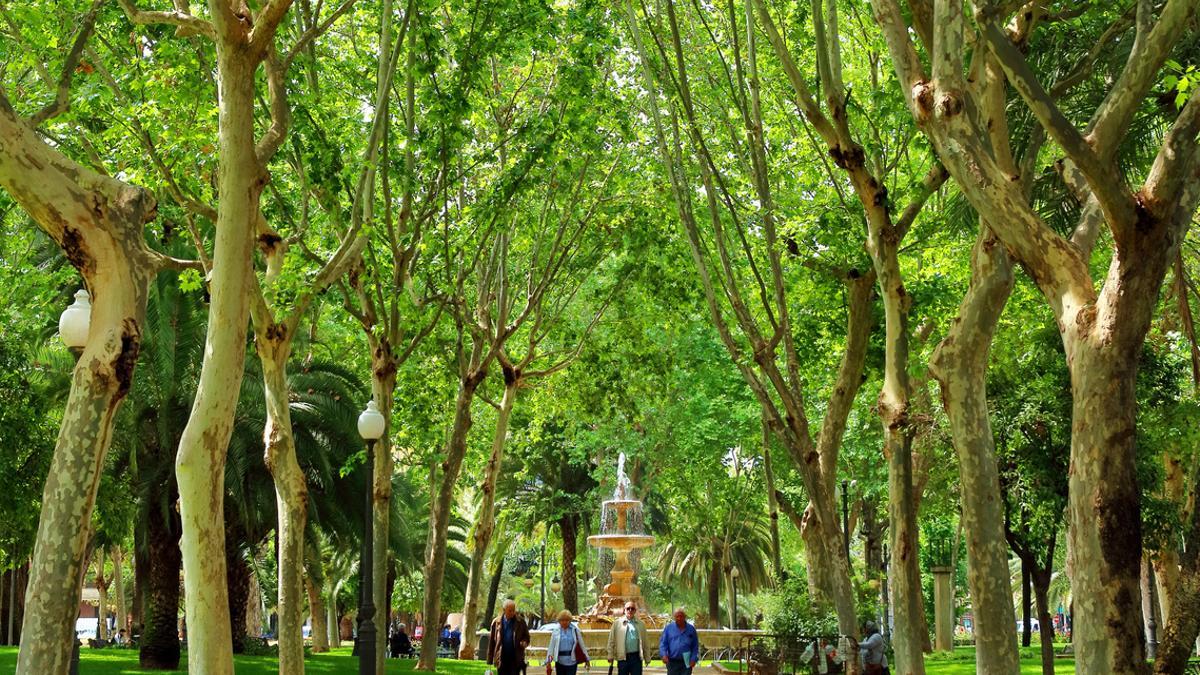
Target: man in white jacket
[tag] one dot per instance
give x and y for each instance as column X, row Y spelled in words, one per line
column 627, row 643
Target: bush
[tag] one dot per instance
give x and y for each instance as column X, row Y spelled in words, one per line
column 790, row 611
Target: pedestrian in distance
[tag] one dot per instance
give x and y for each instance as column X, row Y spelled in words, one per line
column 627, row 643
column 507, row 640
column 679, row 645
column 873, row 651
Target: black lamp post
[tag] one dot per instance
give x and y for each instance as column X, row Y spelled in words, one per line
column 73, row 326
column 371, row 427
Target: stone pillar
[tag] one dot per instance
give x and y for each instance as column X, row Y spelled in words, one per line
column 943, row 612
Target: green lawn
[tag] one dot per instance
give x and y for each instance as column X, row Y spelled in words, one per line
column 122, row 662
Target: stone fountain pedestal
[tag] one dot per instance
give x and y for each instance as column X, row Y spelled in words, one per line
column 622, row 588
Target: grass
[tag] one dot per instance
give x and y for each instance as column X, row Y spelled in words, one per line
column 340, row 662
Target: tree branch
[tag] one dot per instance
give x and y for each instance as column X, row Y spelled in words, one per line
column 62, row 99
column 266, row 23
column 185, row 24
column 1102, row 175
column 281, row 112
column 1150, row 51
column 932, row 182
column 315, row 31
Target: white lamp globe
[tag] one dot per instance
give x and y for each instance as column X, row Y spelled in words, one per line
column 371, row 423
column 76, row 321
column 735, row 572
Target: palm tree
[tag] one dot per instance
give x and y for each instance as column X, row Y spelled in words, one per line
column 555, row 486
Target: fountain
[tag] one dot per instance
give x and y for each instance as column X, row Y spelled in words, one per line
column 620, row 531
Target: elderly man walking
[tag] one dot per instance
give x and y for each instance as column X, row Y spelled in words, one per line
column 679, row 645
column 507, row 641
column 627, row 644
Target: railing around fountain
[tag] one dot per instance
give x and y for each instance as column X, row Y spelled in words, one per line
column 770, row 654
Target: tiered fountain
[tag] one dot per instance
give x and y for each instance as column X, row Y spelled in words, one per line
column 620, row 531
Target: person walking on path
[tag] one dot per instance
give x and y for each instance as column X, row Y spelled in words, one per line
column 507, row 641
column 679, row 645
column 566, row 649
column 873, row 651
column 627, row 644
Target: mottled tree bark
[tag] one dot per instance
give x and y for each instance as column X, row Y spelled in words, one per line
column 485, row 522
column 1102, row 330
column 960, row 366
column 316, row 611
column 98, row 222
column 291, row 494
column 439, row 521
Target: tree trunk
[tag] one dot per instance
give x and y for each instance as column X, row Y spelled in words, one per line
column 141, row 568
column 238, row 579
column 493, row 593
column 713, row 588
column 960, row 366
column 159, row 646
column 316, row 610
column 568, row 527
column 485, row 522
column 439, row 521
column 98, row 222
column 200, row 464
column 1026, row 607
column 383, row 386
column 1183, row 624
column 118, row 559
column 1041, row 591
column 909, row 635
column 291, row 495
column 102, row 591
column 254, row 604
column 772, row 503
column 331, row 619
column 1104, row 509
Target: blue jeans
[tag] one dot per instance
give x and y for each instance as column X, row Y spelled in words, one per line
column 631, row 665
column 560, row 669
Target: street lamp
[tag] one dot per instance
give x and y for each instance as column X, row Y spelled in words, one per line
column 75, row 322
column 73, row 326
column 733, row 577
column 370, row 426
column 555, row 585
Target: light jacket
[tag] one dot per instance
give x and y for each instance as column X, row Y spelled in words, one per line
column 556, row 635
column 616, row 639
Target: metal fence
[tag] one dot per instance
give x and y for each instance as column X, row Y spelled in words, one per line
column 785, row 654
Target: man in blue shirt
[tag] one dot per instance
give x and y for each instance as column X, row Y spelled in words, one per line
column 679, row 645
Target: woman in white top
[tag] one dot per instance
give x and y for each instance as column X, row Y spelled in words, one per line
column 566, row 649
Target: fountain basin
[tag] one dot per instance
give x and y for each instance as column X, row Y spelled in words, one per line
column 621, row 504
column 626, row 542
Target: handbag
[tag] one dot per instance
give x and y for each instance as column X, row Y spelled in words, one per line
column 580, row 656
